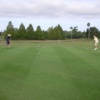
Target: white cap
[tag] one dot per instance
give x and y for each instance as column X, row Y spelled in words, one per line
column 9, row 35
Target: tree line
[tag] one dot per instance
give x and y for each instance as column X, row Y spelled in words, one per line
column 52, row 33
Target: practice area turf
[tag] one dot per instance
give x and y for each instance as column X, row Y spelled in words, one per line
column 51, row 70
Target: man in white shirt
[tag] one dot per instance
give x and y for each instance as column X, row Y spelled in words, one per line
column 96, row 41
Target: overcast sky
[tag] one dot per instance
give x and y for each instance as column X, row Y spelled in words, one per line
column 47, row 13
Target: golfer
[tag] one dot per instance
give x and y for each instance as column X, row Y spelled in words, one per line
column 96, row 41
column 8, row 38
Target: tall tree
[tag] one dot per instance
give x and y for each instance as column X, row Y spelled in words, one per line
column 61, row 32
column 88, row 30
column 94, row 31
column 57, row 32
column 30, row 32
column 15, row 34
column 50, row 32
column 10, row 29
column 39, row 34
column 71, row 32
column 45, row 35
column 22, row 32
column 75, row 32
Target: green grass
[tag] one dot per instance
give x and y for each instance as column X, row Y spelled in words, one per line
column 69, row 70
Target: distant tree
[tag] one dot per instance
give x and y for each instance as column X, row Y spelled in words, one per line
column 30, row 32
column 0, row 33
column 39, row 34
column 56, row 33
column 98, row 33
column 45, row 35
column 9, row 29
column 50, row 33
column 71, row 32
column 67, row 34
column 22, row 32
column 94, row 31
column 88, row 30
column 88, row 24
column 15, row 34
column 83, row 34
column 61, row 34
column 76, row 33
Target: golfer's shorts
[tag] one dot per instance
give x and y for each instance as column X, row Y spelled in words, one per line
column 7, row 42
column 96, row 43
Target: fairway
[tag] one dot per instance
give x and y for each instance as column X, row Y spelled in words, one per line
column 50, row 70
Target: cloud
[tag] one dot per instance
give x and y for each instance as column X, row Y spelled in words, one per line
column 50, row 13
column 49, row 9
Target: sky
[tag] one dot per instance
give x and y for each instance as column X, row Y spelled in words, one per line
column 50, row 13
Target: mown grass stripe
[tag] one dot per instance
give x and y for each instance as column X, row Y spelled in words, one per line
column 84, row 75
column 49, row 71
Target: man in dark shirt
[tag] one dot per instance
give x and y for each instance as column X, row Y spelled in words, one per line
column 8, row 38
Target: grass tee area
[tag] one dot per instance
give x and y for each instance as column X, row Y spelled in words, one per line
column 50, row 70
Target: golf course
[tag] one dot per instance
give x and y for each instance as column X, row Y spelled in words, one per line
column 50, row 70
